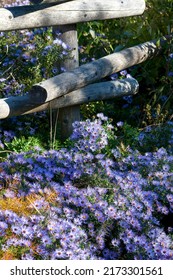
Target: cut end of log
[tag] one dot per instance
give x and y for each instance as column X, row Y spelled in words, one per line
column 5, row 110
column 133, row 84
column 38, row 94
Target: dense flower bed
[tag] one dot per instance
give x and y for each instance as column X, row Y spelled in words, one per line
column 88, row 201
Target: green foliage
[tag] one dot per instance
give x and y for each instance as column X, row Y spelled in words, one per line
column 128, row 135
column 24, row 144
column 155, row 137
column 154, row 76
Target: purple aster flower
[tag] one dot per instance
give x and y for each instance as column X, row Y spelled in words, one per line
column 27, row 256
column 120, row 124
column 100, row 241
column 58, row 254
column 12, row 242
column 84, row 217
column 123, row 72
column 46, row 240
column 16, row 229
column 27, row 231
column 3, row 225
column 42, row 251
column 24, row 242
column 55, row 70
column 102, row 117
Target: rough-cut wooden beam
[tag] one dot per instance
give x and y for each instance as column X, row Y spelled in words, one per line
column 14, row 106
column 67, row 116
column 92, row 72
column 23, row 17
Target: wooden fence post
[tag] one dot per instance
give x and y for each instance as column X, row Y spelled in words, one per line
column 68, row 115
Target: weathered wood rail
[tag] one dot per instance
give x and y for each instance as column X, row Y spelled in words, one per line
column 67, row 13
column 14, row 106
column 79, row 84
column 92, row 72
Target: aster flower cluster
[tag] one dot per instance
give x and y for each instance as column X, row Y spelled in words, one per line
column 5, row 137
column 85, row 203
column 34, row 51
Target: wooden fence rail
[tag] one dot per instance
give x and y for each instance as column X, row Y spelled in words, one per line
column 77, row 86
column 23, row 17
column 14, row 106
column 92, row 72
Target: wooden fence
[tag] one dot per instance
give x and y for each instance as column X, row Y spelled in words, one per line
column 80, row 84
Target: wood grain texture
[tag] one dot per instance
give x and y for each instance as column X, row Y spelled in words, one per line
column 14, row 106
column 68, row 115
column 92, row 72
column 23, row 17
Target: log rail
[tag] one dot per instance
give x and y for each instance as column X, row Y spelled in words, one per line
column 82, row 85
column 69, row 12
column 14, row 106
